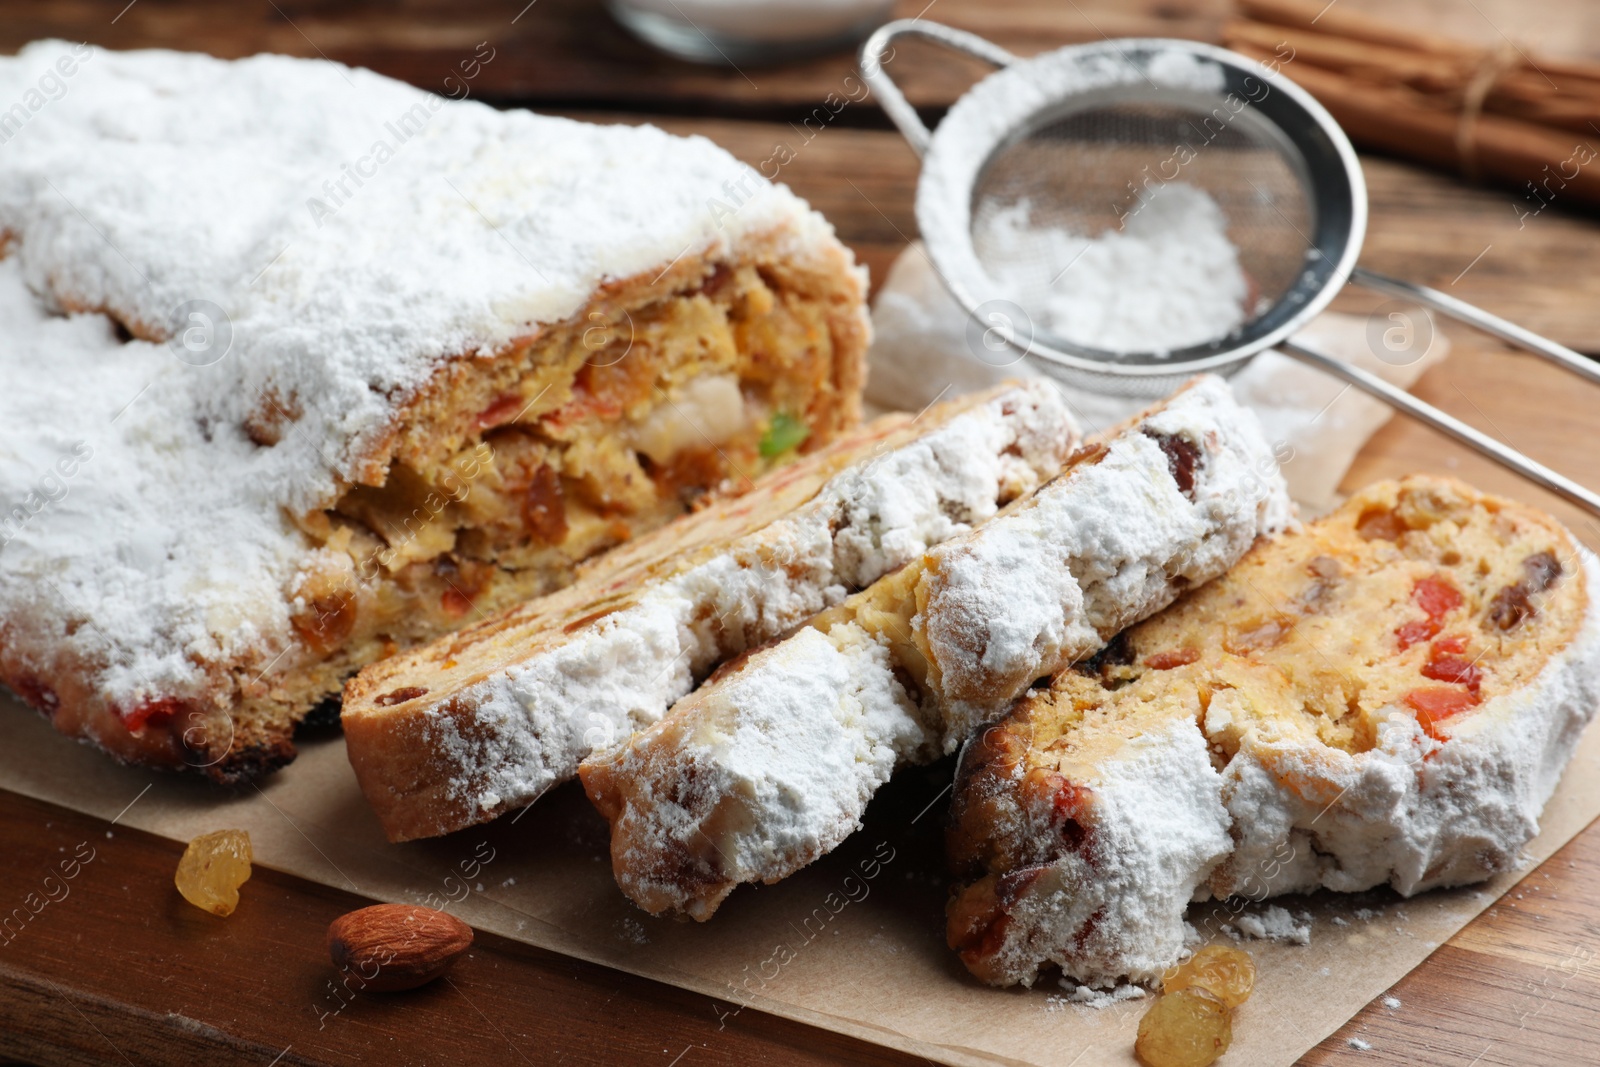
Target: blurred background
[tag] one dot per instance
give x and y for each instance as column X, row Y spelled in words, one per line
column 574, row 57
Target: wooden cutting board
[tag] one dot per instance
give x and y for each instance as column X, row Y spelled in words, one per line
column 123, row 971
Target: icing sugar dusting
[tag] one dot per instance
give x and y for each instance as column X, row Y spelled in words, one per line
column 159, row 178
column 1168, row 279
column 1274, row 923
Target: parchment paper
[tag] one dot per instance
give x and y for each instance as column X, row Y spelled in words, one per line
column 853, row 944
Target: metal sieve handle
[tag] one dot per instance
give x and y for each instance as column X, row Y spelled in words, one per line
column 1398, row 398
column 1462, row 311
column 890, row 98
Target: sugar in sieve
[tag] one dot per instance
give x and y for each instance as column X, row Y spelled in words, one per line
column 1104, row 137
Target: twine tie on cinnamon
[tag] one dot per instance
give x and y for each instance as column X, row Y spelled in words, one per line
column 1491, row 67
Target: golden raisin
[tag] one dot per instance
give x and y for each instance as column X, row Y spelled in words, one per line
column 1187, row 1028
column 213, row 868
column 1229, row 974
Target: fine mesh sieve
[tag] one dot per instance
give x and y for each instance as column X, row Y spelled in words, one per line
column 1132, row 212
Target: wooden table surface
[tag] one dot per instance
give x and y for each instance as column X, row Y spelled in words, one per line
column 130, row 974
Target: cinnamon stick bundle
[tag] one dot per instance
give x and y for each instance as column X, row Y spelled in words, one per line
column 1489, row 113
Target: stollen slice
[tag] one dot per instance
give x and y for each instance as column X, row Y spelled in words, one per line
column 770, row 764
column 1386, row 697
column 487, row 720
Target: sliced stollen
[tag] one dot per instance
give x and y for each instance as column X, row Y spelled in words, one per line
column 1387, row 696
column 488, row 719
column 304, row 365
column 771, row 763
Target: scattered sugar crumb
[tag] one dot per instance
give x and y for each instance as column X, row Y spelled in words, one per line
column 1326, row 972
column 630, row 929
column 1091, row 997
column 1340, row 921
column 1365, row 914
column 508, row 883
column 1360, row 1045
column 1276, row 924
column 1392, row 1003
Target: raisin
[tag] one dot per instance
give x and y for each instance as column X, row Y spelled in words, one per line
column 1325, row 573
column 1185, row 1028
column 213, row 868
column 1229, row 974
column 1514, row 603
column 400, row 696
column 1116, row 653
column 464, row 580
column 1540, row 571
column 1257, row 636
column 544, row 508
column 1182, row 459
column 1509, row 607
column 1325, row 567
column 328, row 621
column 1379, row 524
column 1165, row 661
column 717, row 281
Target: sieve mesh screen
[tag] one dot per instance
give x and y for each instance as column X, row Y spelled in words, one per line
column 1144, row 226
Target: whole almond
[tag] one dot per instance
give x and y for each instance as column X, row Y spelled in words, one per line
column 390, row 947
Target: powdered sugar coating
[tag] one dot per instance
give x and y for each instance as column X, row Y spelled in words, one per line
column 767, row 811
column 1158, row 822
column 534, row 721
column 158, row 178
column 985, row 119
column 1116, row 543
column 1413, row 812
column 820, row 728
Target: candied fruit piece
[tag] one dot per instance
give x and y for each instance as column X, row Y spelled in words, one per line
column 213, row 868
column 1166, row 661
column 1436, row 596
column 1437, row 704
column 1229, row 974
column 1187, row 1028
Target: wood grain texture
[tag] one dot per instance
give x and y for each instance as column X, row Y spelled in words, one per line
column 121, row 969
column 570, row 52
